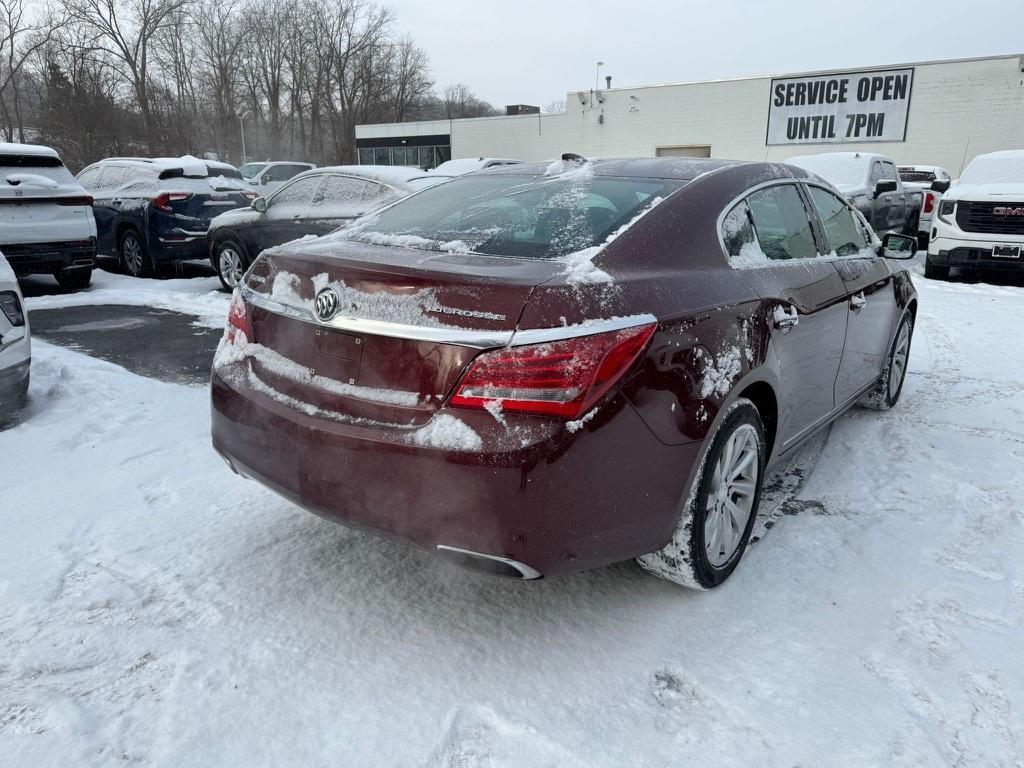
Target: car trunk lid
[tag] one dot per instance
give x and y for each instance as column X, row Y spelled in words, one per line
column 405, row 325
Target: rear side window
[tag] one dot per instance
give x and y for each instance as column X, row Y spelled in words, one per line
column 845, row 235
column 348, row 196
column 89, row 177
column 284, row 172
column 298, row 193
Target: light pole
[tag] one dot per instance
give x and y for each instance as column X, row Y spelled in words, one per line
column 597, row 76
column 241, row 129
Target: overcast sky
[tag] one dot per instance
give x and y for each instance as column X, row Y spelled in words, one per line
column 534, row 51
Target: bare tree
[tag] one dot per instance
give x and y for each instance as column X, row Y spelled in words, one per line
column 21, row 34
column 128, row 29
column 460, row 101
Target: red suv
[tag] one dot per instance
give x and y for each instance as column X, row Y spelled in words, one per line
column 541, row 368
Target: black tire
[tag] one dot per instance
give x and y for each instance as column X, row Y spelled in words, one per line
column 684, row 560
column 911, row 226
column 221, row 253
column 136, row 263
column 935, row 272
column 883, row 397
column 74, row 279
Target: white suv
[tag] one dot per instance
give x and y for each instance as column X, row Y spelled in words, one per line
column 46, row 221
column 980, row 220
column 15, row 349
column 270, row 176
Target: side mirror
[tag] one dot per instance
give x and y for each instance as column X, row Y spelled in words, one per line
column 886, row 185
column 897, row 246
column 940, row 186
column 259, row 205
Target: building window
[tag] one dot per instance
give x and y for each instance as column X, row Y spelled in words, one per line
column 366, row 156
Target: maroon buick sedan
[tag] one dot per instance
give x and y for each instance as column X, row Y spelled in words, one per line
column 543, row 368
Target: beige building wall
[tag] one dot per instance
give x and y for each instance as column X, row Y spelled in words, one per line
column 958, row 109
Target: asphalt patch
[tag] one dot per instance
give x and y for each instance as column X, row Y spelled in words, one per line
column 157, row 343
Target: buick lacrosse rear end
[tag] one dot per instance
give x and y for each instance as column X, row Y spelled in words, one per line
column 546, row 368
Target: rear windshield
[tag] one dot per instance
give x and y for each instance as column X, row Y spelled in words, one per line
column 30, row 161
column 211, row 173
column 22, row 168
column 515, row 215
column 916, row 176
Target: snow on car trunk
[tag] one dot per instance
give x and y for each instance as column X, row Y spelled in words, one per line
column 408, row 322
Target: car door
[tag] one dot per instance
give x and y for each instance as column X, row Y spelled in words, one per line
column 770, row 238
column 102, row 181
column 880, row 213
column 287, row 212
column 343, row 198
column 870, row 295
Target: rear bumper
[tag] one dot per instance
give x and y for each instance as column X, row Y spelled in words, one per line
column 178, row 245
column 47, row 258
column 13, row 387
column 543, row 497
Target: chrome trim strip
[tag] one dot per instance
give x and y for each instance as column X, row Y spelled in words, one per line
column 543, row 335
column 525, row 571
column 459, row 336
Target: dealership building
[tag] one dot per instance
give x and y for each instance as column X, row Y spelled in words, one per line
column 935, row 113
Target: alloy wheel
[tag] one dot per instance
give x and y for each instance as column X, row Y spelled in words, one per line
column 131, row 252
column 230, row 263
column 731, row 495
column 898, row 366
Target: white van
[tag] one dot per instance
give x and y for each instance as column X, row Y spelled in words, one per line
column 270, row 176
column 46, row 221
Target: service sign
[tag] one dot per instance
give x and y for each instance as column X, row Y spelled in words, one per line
column 840, row 108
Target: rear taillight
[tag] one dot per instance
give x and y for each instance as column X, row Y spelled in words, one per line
column 929, row 202
column 162, row 202
column 11, row 307
column 560, row 378
column 82, row 200
column 238, row 330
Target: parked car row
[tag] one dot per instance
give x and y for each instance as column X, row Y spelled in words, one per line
column 499, row 367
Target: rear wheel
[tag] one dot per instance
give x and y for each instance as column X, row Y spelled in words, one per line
column 74, row 279
column 935, row 272
column 890, row 385
column 911, row 226
column 719, row 511
column 133, row 256
column 230, row 261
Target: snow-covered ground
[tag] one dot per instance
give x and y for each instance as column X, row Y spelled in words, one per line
column 157, row 610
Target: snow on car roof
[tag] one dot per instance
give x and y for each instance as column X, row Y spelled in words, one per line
column 10, row 148
column 1000, row 173
column 388, row 174
column 469, row 164
column 844, row 170
column 191, row 166
column 683, row 168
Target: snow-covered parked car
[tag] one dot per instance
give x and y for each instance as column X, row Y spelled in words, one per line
column 15, row 344
column 464, row 165
column 313, row 203
column 155, row 211
column 46, row 219
column 268, row 177
column 537, row 369
column 931, row 181
column 871, row 183
column 980, row 220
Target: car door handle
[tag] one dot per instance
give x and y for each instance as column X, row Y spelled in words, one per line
column 858, row 302
column 785, row 318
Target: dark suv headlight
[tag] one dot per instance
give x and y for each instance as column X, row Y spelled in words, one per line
column 946, row 208
column 11, row 308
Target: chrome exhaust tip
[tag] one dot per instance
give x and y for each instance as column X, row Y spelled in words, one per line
column 492, row 564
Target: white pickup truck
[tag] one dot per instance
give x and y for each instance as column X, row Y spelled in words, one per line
column 871, row 183
column 980, row 220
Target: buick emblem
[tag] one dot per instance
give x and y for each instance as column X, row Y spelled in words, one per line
column 326, row 304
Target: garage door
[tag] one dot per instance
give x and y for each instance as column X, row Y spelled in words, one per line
column 690, row 150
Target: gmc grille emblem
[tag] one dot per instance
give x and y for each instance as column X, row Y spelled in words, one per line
column 326, row 304
column 1002, row 210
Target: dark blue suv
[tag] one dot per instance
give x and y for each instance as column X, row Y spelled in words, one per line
column 151, row 212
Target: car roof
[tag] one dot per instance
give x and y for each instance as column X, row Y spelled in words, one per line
column 12, row 148
column 386, row 174
column 166, row 163
column 682, row 168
